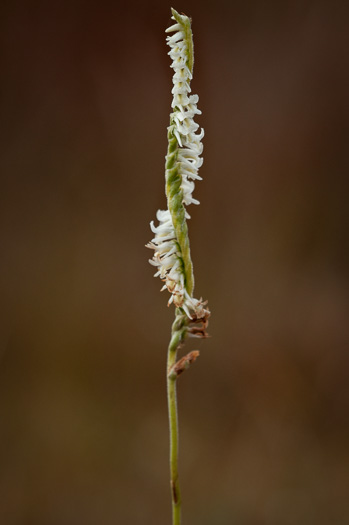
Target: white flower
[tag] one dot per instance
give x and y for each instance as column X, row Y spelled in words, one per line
column 182, row 117
column 167, row 251
column 167, row 257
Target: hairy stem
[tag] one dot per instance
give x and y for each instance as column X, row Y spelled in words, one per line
column 178, row 334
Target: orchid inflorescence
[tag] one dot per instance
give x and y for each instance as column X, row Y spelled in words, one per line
column 171, row 242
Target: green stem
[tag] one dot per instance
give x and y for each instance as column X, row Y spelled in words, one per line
column 177, row 336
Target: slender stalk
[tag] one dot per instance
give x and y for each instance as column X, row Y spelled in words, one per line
column 177, row 336
column 173, row 418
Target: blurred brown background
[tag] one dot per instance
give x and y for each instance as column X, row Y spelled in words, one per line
column 264, row 412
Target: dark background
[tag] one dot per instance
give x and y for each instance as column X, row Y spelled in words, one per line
column 84, row 330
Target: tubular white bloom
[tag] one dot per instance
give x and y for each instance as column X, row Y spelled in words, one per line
column 169, row 258
column 182, row 117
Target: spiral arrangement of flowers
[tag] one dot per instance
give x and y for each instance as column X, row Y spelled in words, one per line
column 171, row 242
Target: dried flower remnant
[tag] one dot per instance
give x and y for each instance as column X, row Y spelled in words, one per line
column 183, row 364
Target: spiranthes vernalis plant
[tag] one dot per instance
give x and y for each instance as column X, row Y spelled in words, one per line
column 171, row 242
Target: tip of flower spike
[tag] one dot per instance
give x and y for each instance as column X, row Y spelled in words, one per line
column 185, row 26
column 176, row 15
column 181, row 19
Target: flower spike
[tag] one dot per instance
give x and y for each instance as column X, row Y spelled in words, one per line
column 171, row 242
